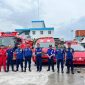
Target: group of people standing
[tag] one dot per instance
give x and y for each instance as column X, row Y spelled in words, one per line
column 7, row 58
column 61, row 54
column 12, row 56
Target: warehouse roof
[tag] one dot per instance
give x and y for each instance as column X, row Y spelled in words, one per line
column 28, row 29
column 38, row 21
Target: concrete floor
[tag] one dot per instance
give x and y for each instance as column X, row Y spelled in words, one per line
column 43, row 78
column 66, row 79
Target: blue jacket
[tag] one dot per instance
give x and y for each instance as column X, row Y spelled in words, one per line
column 27, row 52
column 50, row 52
column 10, row 53
column 38, row 50
column 19, row 53
column 60, row 53
column 69, row 53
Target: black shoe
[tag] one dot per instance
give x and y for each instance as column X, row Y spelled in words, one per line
column 24, row 70
column 53, row 70
column 72, row 72
column 58, row 71
column 21, row 70
column 12, row 70
column 40, row 70
column 48, row 70
column 67, row 72
column 30, row 70
column 37, row 70
column 62, row 71
column 7, row 71
column 17, row 70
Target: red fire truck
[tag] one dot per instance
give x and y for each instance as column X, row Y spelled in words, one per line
column 44, row 44
column 13, row 39
column 79, row 53
column 9, row 38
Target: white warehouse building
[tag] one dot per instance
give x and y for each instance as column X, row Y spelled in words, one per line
column 37, row 30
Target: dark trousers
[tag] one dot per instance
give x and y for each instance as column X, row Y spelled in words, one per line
column 60, row 62
column 39, row 64
column 19, row 62
column 69, row 64
column 10, row 62
column 28, row 60
column 51, row 63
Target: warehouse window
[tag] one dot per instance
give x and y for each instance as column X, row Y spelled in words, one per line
column 49, row 32
column 33, row 32
column 26, row 32
column 41, row 32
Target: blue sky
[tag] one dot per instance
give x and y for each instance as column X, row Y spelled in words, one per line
column 56, row 13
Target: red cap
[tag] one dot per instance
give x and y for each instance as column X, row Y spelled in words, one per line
column 69, row 43
column 38, row 43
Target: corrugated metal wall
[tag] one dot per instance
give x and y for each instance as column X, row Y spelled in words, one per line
column 80, row 33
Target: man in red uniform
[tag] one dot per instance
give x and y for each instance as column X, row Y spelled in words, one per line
column 3, row 58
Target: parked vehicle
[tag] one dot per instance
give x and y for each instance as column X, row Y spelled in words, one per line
column 44, row 44
column 79, row 55
column 13, row 39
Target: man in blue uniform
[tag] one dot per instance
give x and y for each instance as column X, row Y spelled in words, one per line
column 38, row 53
column 50, row 54
column 19, row 58
column 69, row 58
column 60, row 54
column 27, row 57
column 10, row 58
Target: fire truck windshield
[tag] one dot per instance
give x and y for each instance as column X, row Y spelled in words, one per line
column 78, row 48
column 5, row 41
column 46, row 45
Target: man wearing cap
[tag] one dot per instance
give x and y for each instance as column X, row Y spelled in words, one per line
column 69, row 58
column 27, row 57
column 60, row 54
column 38, row 53
column 10, row 58
column 50, row 54
column 19, row 58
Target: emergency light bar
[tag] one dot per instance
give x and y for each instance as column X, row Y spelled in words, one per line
column 8, row 34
